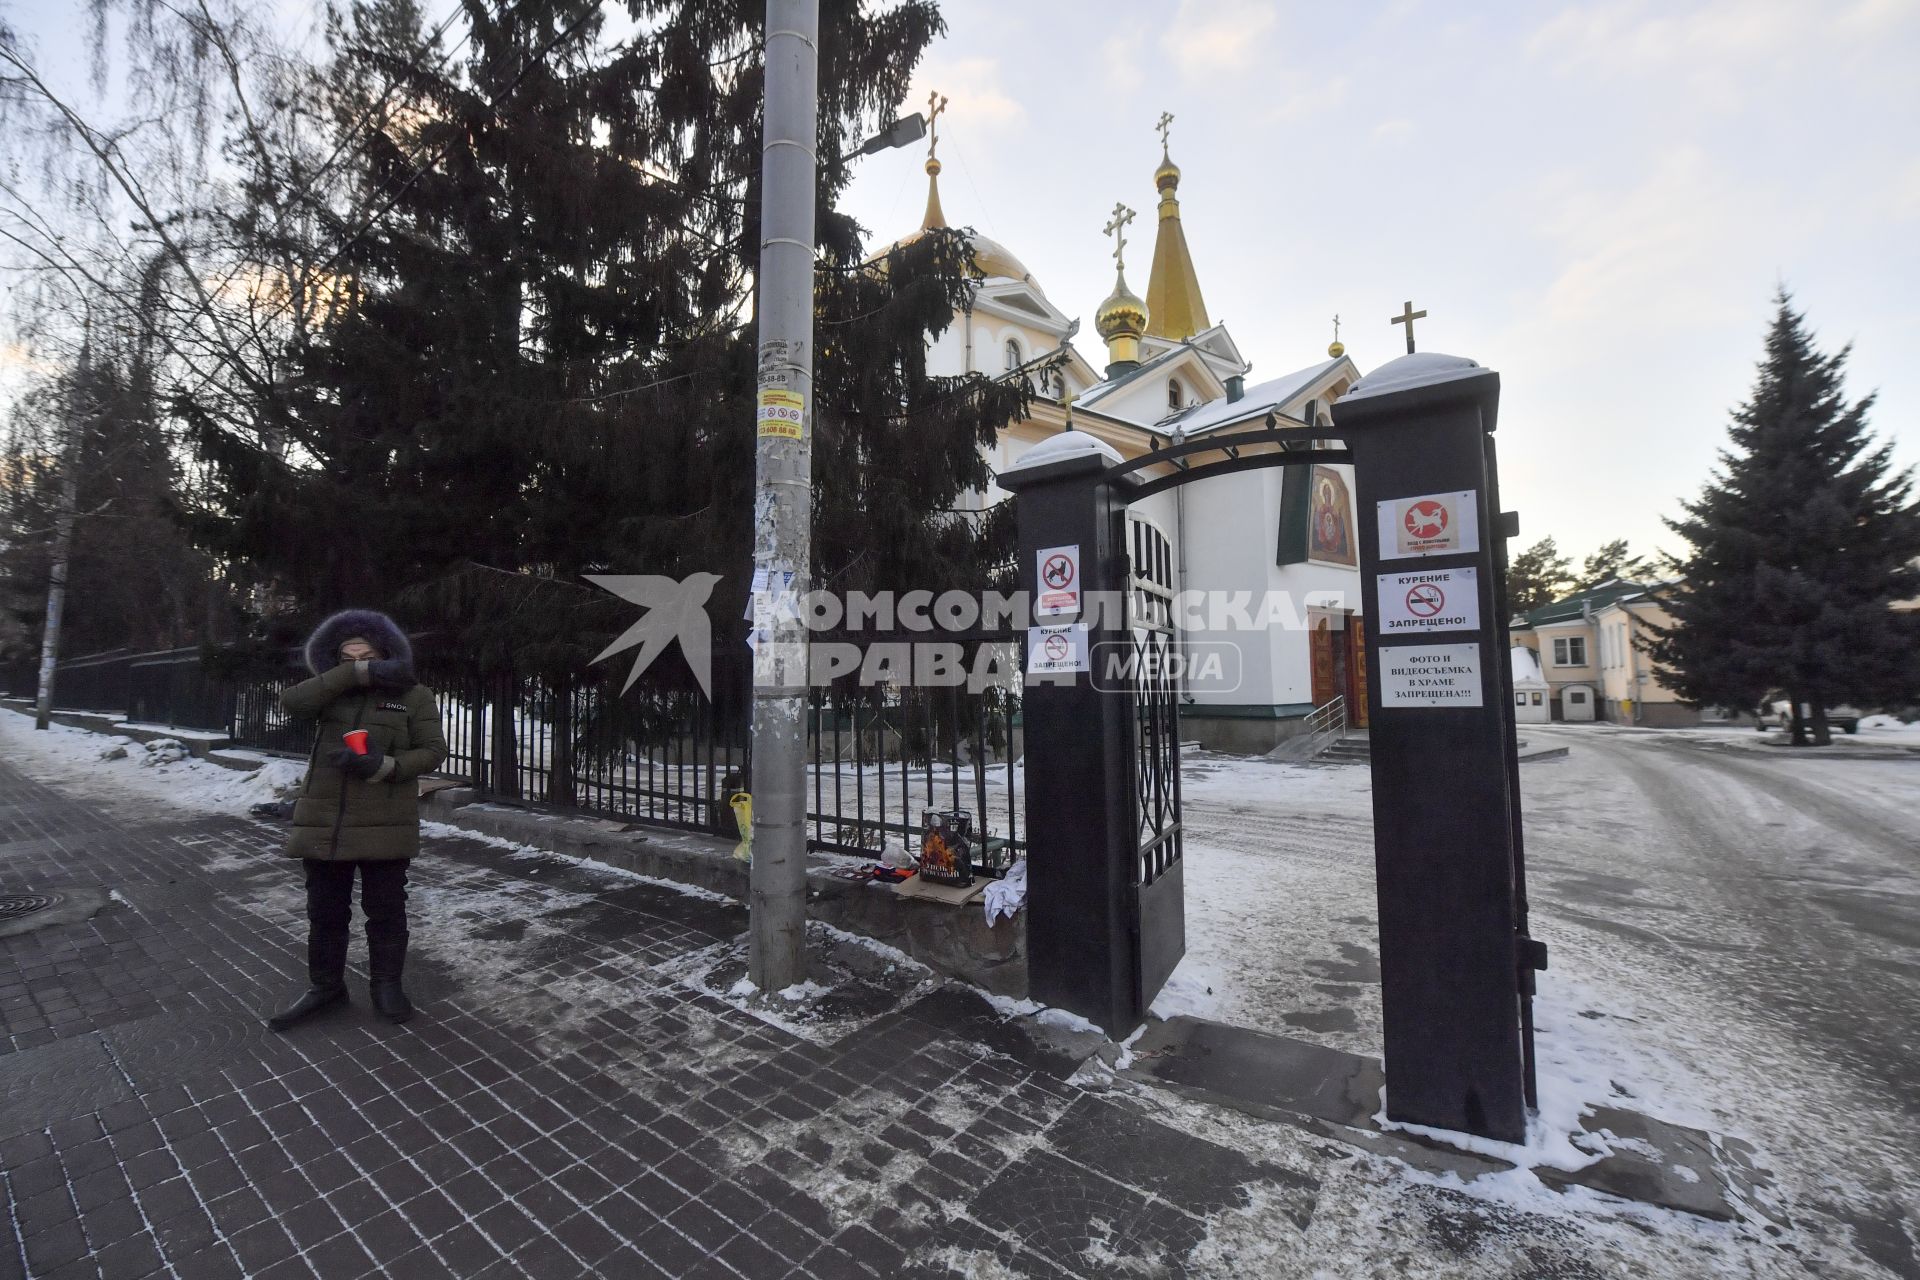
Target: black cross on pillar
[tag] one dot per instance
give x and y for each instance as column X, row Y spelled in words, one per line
column 1407, row 317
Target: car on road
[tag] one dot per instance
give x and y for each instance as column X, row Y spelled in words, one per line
column 1777, row 713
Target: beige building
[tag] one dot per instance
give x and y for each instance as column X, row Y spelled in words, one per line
column 1588, row 648
column 1629, row 692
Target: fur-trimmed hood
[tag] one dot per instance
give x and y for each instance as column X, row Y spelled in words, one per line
column 377, row 629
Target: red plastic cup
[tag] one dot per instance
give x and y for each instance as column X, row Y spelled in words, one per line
column 356, row 741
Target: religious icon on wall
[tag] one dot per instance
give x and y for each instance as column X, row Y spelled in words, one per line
column 1330, row 524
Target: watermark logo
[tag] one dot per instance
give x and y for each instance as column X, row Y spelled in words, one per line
column 1194, row 666
column 675, row 611
column 963, row 639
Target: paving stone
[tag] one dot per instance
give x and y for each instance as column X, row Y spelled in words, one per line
column 635, row 1128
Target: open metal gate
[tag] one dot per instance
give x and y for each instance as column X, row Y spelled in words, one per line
column 1154, row 676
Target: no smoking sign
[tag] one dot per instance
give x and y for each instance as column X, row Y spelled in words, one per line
column 1425, row 600
column 1429, row 600
column 1057, row 649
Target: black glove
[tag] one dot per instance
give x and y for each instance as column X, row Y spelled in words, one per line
column 362, row 767
column 391, row 673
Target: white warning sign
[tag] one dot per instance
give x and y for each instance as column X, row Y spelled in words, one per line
column 1430, row 675
column 1429, row 600
column 1057, row 649
column 1433, row 524
column 1059, row 576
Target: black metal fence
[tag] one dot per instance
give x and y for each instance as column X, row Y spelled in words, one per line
column 661, row 752
column 166, row 687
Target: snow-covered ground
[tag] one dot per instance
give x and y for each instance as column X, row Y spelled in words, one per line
column 1673, row 992
column 156, row 770
column 1708, row 913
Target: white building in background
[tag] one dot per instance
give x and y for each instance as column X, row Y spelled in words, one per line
column 1532, row 695
column 1171, row 373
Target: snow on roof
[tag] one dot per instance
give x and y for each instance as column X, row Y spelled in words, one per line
column 1108, row 385
column 1526, row 666
column 1255, row 401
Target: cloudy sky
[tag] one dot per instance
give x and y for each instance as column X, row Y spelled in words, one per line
column 1596, row 199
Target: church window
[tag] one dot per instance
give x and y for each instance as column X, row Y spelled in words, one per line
column 1519, row 699
column 1570, row 651
column 1173, row 393
column 1014, row 358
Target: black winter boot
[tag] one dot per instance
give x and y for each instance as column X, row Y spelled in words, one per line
column 385, row 960
column 326, row 971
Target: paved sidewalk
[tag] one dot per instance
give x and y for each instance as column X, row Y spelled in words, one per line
column 564, row 1104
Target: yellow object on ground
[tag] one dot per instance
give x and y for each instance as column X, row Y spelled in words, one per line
column 742, row 805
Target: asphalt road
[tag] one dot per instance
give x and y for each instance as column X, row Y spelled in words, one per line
column 1759, row 909
column 1798, row 884
column 1735, row 935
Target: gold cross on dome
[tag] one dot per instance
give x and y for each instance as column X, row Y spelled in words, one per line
column 1336, row 326
column 1165, row 123
column 1118, row 230
column 1406, row 317
column 936, row 104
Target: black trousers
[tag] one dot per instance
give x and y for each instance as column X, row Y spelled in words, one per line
column 383, row 899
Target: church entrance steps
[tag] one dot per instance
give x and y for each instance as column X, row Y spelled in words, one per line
column 1353, row 748
column 1338, row 1095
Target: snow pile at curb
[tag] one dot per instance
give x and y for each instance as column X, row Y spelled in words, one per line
column 158, row 770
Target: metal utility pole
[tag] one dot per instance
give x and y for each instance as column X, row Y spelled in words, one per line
column 82, row 412
column 783, row 496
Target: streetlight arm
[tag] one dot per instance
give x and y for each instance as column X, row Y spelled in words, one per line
column 903, row 132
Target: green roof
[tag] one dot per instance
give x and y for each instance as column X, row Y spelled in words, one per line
column 1575, row 606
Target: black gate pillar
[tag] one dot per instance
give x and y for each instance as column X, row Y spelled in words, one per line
column 1445, row 808
column 1083, row 950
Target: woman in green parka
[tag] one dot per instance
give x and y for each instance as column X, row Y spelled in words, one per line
column 360, row 813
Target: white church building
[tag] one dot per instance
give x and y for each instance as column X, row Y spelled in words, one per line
column 1284, row 535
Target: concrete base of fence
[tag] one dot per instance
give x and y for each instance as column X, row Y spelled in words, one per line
column 954, row 941
column 198, row 742
column 97, row 721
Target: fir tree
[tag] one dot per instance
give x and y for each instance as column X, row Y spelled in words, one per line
column 1799, row 546
column 1538, row 576
column 542, row 359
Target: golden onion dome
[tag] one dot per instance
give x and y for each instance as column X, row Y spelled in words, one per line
column 1123, row 314
column 991, row 259
column 1336, row 348
column 1167, row 176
